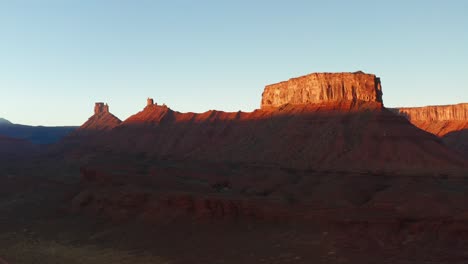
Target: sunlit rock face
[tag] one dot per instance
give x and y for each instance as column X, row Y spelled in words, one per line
column 101, row 108
column 450, row 122
column 319, row 88
column 439, row 120
column 101, row 120
column 458, row 112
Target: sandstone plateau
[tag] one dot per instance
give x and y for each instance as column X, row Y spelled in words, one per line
column 319, row 88
column 458, row 112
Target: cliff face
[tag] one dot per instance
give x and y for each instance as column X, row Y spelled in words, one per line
column 450, row 122
column 319, row 88
column 439, row 120
column 101, row 108
column 458, row 112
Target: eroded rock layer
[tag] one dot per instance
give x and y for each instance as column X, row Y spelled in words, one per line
column 345, row 135
column 101, row 120
column 450, row 122
column 458, row 112
column 319, row 88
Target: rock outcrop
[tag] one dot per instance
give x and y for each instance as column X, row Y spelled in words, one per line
column 97, row 125
column 149, row 102
column 102, row 119
column 101, row 108
column 458, row 112
column 320, row 88
column 450, row 122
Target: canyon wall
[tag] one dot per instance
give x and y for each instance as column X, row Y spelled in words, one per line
column 458, row 112
column 318, row 88
column 450, row 122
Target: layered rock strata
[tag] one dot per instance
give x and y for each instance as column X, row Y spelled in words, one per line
column 458, row 112
column 439, row 120
column 319, row 88
column 101, row 108
column 450, row 122
column 101, row 120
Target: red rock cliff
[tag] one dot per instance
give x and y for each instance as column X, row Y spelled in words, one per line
column 458, row 112
column 450, row 122
column 101, row 108
column 319, row 88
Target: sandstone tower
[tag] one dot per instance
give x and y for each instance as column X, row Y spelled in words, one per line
column 101, row 108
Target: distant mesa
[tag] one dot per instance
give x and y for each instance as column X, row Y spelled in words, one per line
column 319, row 88
column 3, row 121
column 435, row 112
column 437, row 119
column 41, row 135
column 450, row 122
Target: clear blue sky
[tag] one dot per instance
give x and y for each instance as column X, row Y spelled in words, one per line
column 58, row 57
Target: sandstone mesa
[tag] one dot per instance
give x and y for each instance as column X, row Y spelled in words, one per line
column 318, row 88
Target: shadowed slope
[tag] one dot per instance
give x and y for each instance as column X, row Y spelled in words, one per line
column 16, row 147
column 3, row 121
column 344, row 135
column 35, row 134
column 458, row 140
column 450, row 122
column 320, row 120
column 320, row 154
column 100, row 122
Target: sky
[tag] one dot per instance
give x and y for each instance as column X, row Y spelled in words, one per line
column 59, row 57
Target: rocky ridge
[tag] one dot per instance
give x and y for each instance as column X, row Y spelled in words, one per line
column 102, row 120
column 321, row 120
column 3, row 121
